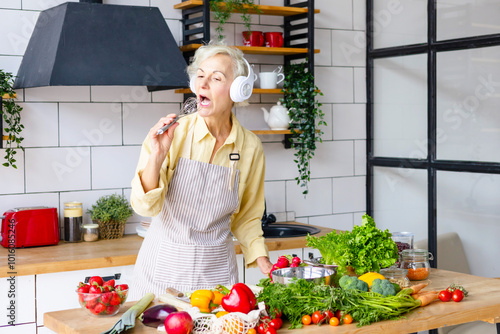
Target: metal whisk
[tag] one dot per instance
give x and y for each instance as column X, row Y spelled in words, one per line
column 188, row 107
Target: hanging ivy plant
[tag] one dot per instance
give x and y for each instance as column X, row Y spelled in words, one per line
column 304, row 110
column 223, row 9
column 11, row 114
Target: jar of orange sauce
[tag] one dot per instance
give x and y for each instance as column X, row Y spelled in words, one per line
column 416, row 261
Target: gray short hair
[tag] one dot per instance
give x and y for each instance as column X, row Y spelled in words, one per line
column 214, row 48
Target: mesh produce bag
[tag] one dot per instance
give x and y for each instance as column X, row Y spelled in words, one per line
column 231, row 323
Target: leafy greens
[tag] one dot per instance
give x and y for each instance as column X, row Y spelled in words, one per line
column 365, row 248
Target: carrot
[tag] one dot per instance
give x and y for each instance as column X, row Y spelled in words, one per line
column 417, row 287
column 421, row 293
column 427, row 298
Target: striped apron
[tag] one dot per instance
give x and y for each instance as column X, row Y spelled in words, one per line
column 189, row 245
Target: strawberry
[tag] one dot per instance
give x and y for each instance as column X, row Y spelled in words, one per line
column 83, row 288
column 96, row 279
column 91, row 301
column 108, row 288
column 111, row 309
column 121, row 287
column 98, row 308
column 106, row 298
column 95, row 289
column 110, row 283
column 115, row 299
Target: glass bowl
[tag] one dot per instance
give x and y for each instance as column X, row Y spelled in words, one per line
column 312, row 274
column 102, row 304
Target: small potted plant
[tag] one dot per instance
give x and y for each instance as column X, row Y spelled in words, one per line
column 223, row 9
column 11, row 114
column 111, row 213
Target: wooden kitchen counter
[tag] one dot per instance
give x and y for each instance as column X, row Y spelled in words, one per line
column 101, row 254
column 483, row 303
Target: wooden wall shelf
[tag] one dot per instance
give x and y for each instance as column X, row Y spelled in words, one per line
column 255, row 91
column 262, row 9
column 272, row 132
column 256, row 50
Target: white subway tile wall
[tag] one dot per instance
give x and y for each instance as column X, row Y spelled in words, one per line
column 84, row 142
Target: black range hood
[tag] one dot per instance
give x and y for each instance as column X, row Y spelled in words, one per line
column 88, row 43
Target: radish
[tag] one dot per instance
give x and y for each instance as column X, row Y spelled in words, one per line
column 179, row 323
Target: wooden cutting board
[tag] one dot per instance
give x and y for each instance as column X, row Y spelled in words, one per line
column 78, row 321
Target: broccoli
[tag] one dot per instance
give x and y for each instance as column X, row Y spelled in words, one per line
column 347, row 282
column 383, row 287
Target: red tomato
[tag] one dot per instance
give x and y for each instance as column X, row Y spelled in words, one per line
column 271, row 330
column 338, row 314
column 262, row 328
column 276, row 323
column 328, row 314
column 317, row 317
column 445, row 296
column 457, row 295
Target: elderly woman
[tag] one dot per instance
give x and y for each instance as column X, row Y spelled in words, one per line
column 201, row 180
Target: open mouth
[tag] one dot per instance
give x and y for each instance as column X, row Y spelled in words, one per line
column 204, row 101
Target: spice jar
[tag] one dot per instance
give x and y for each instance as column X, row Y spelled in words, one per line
column 73, row 217
column 396, row 275
column 404, row 240
column 90, row 232
column 417, row 263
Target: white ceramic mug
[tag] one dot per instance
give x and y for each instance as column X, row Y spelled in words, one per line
column 270, row 80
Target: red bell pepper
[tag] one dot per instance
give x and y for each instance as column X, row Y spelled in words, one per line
column 239, row 299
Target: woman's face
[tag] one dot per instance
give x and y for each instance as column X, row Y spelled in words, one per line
column 212, row 84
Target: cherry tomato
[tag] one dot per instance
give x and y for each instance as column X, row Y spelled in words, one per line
column 457, row 295
column 328, row 314
column 276, row 323
column 347, row 319
column 262, row 328
column 334, row 321
column 317, row 317
column 306, row 319
column 252, row 331
column 271, row 330
column 338, row 314
column 445, row 296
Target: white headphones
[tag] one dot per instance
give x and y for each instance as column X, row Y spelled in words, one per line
column 241, row 88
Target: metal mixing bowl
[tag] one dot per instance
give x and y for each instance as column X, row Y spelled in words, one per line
column 312, row 274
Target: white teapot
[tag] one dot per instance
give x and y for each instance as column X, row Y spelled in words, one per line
column 277, row 118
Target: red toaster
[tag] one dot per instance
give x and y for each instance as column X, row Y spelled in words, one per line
column 30, row 226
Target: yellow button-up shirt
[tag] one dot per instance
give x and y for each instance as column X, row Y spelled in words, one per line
column 246, row 221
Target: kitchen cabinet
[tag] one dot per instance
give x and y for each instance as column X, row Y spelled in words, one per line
column 24, row 297
column 298, row 23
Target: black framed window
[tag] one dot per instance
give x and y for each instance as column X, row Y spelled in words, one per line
column 433, row 122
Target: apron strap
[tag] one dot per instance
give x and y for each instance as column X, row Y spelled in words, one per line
column 234, row 158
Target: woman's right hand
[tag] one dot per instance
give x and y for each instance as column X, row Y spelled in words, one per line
column 160, row 144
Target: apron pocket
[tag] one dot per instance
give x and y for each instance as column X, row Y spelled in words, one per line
column 195, row 266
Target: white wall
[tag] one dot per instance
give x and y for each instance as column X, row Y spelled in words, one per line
column 84, row 142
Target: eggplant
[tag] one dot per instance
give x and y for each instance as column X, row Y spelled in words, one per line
column 156, row 315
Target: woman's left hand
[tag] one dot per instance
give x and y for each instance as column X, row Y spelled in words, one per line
column 264, row 264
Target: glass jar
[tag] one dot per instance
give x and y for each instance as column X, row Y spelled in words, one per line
column 404, row 240
column 417, row 263
column 90, row 232
column 73, row 218
column 396, row 275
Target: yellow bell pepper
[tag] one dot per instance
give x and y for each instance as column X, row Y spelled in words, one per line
column 202, row 302
column 369, row 277
column 206, row 293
